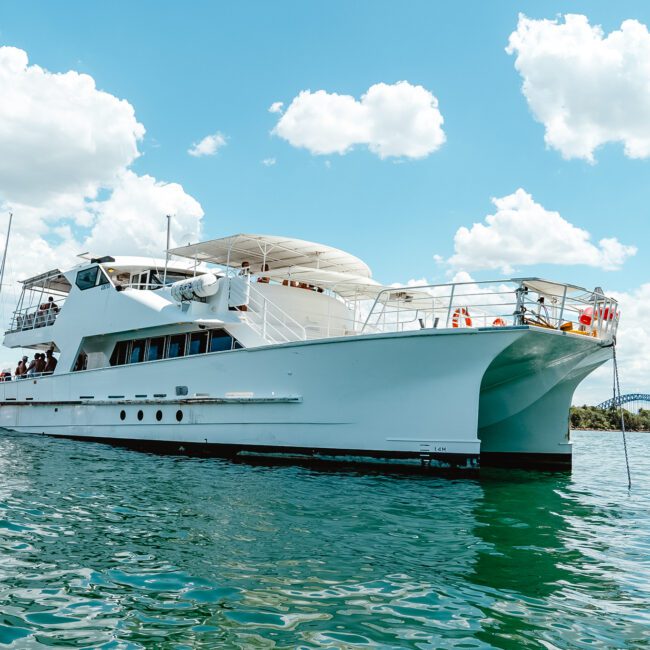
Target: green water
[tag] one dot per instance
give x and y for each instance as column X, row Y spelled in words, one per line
column 108, row 548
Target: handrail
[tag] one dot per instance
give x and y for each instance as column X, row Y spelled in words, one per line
column 283, row 327
column 496, row 303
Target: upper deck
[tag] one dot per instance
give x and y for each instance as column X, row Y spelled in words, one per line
column 269, row 290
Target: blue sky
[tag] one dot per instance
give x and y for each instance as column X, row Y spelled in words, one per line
column 193, row 69
column 189, row 70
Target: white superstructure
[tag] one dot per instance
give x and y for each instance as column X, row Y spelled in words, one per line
column 255, row 344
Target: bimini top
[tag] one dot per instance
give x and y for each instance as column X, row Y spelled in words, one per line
column 277, row 252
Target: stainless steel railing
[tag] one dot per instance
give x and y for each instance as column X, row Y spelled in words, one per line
column 495, row 304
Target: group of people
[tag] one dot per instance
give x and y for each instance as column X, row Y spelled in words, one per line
column 41, row 364
column 45, row 315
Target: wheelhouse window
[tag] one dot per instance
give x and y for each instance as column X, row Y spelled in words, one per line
column 87, row 278
column 137, row 351
column 156, row 349
column 92, row 277
column 176, row 346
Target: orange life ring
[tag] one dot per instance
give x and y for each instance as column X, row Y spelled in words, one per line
column 461, row 312
column 498, row 322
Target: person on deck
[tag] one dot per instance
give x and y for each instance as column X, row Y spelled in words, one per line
column 50, row 361
column 39, row 367
column 21, row 368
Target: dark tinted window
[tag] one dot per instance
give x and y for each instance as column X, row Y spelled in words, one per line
column 198, row 343
column 103, row 278
column 81, row 363
column 220, row 341
column 137, row 351
column 176, row 346
column 87, row 278
column 120, row 350
column 156, row 349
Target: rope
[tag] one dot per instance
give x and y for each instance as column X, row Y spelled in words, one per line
column 617, row 389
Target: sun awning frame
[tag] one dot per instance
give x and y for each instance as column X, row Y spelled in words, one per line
column 277, row 252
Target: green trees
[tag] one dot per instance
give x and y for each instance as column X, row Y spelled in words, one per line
column 597, row 419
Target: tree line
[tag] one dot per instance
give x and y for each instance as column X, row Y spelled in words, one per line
column 597, row 419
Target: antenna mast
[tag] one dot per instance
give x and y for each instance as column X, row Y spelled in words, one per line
column 169, row 224
column 4, row 254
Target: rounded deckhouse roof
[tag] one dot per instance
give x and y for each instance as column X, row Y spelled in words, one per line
column 277, row 252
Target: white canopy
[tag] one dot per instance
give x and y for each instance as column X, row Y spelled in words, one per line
column 277, row 252
column 550, row 288
column 346, row 285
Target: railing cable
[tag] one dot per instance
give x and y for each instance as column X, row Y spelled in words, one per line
column 617, row 391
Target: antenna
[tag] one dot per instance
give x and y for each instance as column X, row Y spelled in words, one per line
column 4, row 254
column 169, row 224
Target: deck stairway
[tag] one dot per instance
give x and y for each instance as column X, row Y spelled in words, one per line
column 270, row 321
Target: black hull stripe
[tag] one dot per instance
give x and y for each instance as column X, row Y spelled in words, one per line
column 549, row 462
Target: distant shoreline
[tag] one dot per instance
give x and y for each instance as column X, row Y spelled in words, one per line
column 610, row 430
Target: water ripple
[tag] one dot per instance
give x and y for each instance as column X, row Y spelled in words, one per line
column 106, row 548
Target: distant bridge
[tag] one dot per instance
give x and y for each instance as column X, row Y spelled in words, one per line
column 632, row 398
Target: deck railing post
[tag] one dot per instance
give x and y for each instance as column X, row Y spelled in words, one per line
column 561, row 317
column 451, row 301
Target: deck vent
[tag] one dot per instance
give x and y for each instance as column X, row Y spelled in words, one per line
column 181, row 390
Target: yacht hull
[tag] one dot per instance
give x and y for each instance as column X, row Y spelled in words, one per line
column 439, row 397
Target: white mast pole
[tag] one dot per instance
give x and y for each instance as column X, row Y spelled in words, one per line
column 4, row 254
column 169, row 224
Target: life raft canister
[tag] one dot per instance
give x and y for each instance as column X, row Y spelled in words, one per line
column 461, row 312
column 498, row 322
column 587, row 315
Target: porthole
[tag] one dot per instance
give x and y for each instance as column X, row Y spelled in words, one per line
column 140, row 415
column 159, row 415
column 122, row 415
column 179, row 415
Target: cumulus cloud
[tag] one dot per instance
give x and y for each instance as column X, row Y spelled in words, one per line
column 269, row 162
column 521, row 232
column 59, row 135
column 276, row 107
column 64, row 172
column 585, row 87
column 398, row 120
column 208, row 146
column 132, row 220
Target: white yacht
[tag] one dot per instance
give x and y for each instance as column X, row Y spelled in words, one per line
column 266, row 345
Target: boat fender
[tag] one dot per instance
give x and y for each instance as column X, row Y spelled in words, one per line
column 201, row 286
column 461, row 313
column 498, row 322
column 587, row 315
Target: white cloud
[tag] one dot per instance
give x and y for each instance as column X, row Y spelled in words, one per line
column 586, row 88
column 59, row 135
column 269, row 162
column 276, row 107
column 208, row 146
column 398, row 120
column 65, row 173
column 522, row 232
column 132, row 220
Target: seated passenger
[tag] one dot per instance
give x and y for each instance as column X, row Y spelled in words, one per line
column 264, row 280
column 50, row 362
